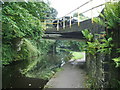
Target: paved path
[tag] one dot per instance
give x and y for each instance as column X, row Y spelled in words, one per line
column 72, row 76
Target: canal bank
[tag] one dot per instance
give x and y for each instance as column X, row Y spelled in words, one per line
column 37, row 71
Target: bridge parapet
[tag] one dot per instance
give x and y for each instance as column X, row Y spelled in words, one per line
column 87, row 24
column 61, row 27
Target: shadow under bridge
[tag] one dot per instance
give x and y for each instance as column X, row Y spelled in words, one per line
column 73, row 32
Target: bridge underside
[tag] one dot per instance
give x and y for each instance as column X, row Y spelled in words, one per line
column 64, row 35
column 73, row 32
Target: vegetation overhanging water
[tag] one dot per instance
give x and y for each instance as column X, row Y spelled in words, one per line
column 35, row 73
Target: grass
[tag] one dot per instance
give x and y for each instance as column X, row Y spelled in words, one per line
column 77, row 55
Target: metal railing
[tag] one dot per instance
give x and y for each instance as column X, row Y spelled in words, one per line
column 63, row 20
column 70, row 19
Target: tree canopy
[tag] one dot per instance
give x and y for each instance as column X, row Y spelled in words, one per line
column 21, row 20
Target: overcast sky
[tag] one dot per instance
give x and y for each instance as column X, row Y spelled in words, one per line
column 65, row 6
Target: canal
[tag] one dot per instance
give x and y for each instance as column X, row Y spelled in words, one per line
column 33, row 73
column 37, row 71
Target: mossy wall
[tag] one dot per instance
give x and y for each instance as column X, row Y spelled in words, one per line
column 101, row 70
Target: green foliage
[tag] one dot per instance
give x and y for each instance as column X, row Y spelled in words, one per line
column 46, row 64
column 21, row 23
column 37, row 9
column 8, row 54
column 108, row 42
column 17, row 23
column 111, row 20
column 90, row 82
column 99, row 44
column 77, row 55
column 87, row 34
column 29, row 48
column 81, row 16
column 44, row 46
column 71, row 45
column 53, row 13
column 111, row 15
column 117, row 61
column 106, row 45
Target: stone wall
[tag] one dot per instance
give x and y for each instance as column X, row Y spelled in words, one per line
column 102, row 72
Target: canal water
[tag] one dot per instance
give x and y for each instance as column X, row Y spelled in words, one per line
column 28, row 73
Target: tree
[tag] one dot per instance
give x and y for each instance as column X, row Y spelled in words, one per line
column 21, row 23
column 53, row 12
column 81, row 16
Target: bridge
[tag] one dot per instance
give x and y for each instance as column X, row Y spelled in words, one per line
column 73, row 30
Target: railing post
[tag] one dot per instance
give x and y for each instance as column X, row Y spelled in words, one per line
column 63, row 22
column 57, row 25
column 70, row 21
column 78, row 18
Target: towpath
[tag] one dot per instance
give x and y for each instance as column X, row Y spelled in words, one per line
column 71, row 76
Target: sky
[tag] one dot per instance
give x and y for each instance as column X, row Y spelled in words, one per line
column 65, row 6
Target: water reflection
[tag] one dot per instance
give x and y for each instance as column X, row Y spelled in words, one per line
column 33, row 73
column 44, row 66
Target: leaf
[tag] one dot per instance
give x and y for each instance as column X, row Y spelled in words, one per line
column 117, row 61
column 99, row 21
column 87, row 34
column 109, row 39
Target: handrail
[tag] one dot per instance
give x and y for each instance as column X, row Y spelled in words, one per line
column 78, row 15
column 78, row 7
column 74, row 10
column 81, row 12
